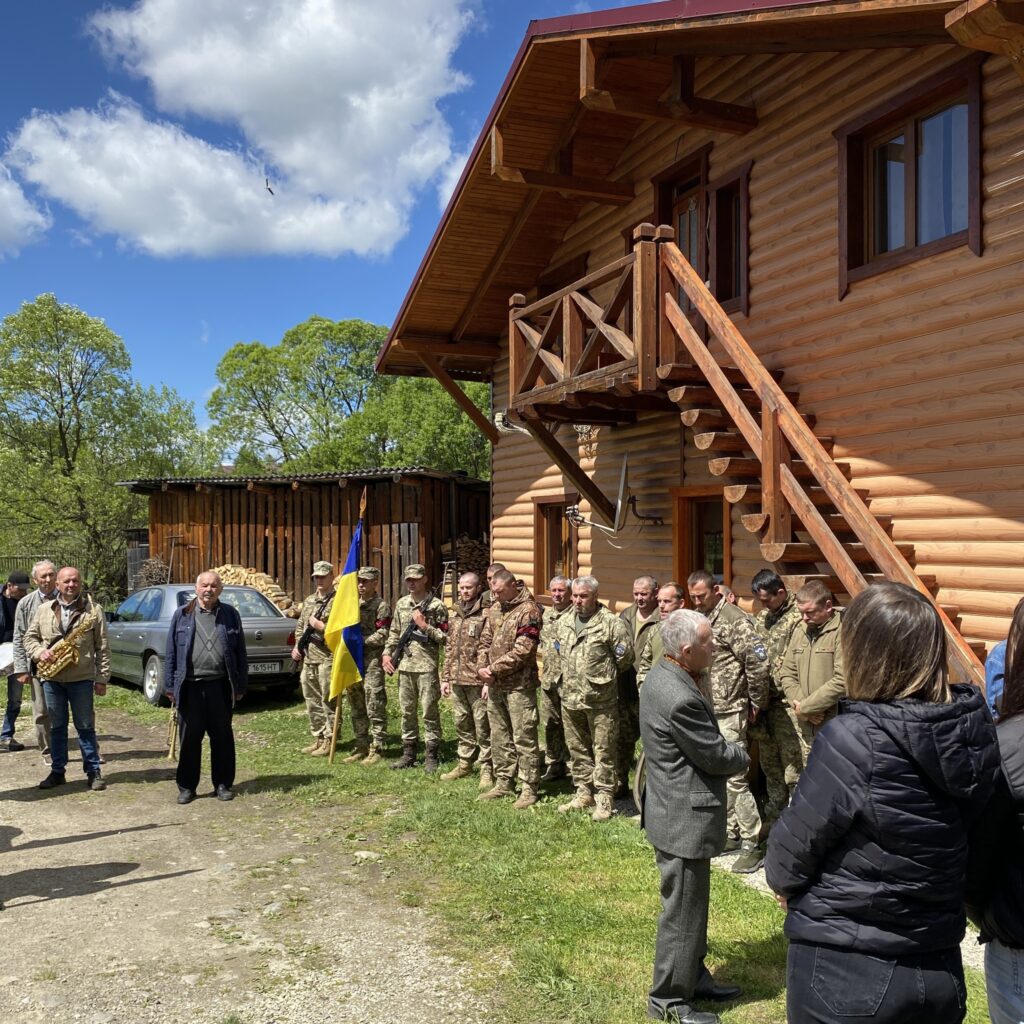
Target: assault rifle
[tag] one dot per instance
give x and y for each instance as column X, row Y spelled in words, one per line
column 309, row 632
column 412, row 631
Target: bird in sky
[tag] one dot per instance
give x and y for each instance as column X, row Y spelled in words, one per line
column 269, row 189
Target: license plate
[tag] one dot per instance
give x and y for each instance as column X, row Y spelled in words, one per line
column 268, row 667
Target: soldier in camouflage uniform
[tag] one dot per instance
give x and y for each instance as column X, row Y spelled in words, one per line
column 417, row 672
column 488, row 598
column 508, row 668
column 642, row 618
column 556, row 753
column 776, row 730
column 374, row 623
column 594, row 646
column 460, row 681
column 739, row 687
column 670, row 599
column 316, row 661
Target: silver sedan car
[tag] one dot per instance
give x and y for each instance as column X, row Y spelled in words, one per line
column 138, row 637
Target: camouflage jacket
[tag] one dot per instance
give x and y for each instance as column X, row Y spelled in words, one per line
column 374, row 623
column 318, row 652
column 776, row 629
column 591, row 661
column 424, row 646
column 642, row 643
column 508, row 644
column 812, row 670
column 739, row 669
column 551, row 666
column 461, row 649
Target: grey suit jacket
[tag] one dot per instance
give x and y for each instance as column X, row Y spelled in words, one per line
column 688, row 763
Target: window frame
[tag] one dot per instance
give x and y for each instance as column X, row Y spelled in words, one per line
column 740, row 178
column 542, row 572
column 683, row 520
column 854, row 140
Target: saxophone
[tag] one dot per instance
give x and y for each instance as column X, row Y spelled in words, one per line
column 65, row 650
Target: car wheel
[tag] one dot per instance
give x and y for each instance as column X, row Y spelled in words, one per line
column 153, row 681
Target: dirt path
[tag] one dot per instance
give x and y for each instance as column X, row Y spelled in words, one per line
column 122, row 906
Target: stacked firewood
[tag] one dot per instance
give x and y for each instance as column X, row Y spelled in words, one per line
column 152, row 573
column 472, row 555
column 239, row 576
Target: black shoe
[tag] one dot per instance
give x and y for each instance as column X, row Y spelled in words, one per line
column 96, row 782
column 12, row 744
column 750, row 859
column 687, row 1015
column 732, row 843
column 186, row 796
column 53, row 779
column 225, row 792
column 717, row 993
column 408, row 758
column 555, row 771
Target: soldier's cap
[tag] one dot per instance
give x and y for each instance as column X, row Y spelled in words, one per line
column 322, row 568
column 19, row 578
column 415, row 571
column 368, row 572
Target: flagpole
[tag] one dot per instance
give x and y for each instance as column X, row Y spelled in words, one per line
column 337, row 701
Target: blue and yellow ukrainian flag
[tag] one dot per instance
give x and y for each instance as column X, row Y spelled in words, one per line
column 343, row 635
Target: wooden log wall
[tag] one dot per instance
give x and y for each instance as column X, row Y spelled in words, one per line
column 282, row 531
column 917, row 373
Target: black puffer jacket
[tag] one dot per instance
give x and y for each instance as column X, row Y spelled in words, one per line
column 872, row 852
column 995, row 891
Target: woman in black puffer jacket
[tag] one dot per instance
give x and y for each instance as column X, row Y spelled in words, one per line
column 995, row 889
column 870, row 858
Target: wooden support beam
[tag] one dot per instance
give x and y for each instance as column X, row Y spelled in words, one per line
column 256, row 488
column 598, row 190
column 681, row 108
column 774, row 455
column 438, row 372
column 444, row 347
column 996, row 26
column 601, row 505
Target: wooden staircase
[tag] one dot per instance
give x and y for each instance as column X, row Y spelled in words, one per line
column 811, row 521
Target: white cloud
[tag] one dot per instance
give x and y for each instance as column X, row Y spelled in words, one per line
column 450, row 175
column 20, row 221
column 337, row 100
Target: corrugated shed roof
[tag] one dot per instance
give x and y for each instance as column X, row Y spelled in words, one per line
column 143, row 486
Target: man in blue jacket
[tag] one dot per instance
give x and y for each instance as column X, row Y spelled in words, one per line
column 206, row 673
column 684, row 814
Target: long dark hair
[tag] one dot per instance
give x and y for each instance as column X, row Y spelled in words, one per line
column 1012, row 702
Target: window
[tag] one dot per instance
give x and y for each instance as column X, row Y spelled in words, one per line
column 700, row 532
column 730, row 246
column 910, row 175
column 554, row 541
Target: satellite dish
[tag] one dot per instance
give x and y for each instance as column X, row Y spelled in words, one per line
column 622, row 500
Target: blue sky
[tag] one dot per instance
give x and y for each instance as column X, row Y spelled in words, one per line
column 136, row 139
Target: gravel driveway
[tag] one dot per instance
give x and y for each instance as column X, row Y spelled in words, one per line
column 123, row 908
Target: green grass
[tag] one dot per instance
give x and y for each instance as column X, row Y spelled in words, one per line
column 558, row 914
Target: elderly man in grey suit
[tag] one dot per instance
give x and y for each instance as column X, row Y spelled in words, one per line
column 684, row 810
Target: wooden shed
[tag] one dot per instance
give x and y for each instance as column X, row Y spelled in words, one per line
column 775, row 253
column 281, row 525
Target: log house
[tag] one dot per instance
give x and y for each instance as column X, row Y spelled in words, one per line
column 774, row 254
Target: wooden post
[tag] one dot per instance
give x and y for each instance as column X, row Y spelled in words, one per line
column 668, row 346
column 515, row 346
column 645, row 307
column 572, row 337
column 774, row 454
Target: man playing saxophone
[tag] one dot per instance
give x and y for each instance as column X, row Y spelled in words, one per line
column 67, row 641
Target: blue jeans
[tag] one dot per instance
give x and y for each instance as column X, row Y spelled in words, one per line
column 825, row 985
column 14, row 689
column 1004, row 979
column 77, row 696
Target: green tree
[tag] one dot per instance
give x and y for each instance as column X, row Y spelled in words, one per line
column 72, row 423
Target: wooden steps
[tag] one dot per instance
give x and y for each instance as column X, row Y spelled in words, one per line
column 750, row 494
column 700, row 397
column 750, row 468
column 730, row 441
column 798, row 551
column 684, row 373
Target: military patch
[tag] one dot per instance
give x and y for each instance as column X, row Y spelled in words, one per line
column 759, row 650
column 620, row 650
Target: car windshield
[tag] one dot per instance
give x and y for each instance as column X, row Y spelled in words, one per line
column 250, row 604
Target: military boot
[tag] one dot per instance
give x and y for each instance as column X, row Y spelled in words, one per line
column 375, row 756
column 603, row 810
column 460, row 771
column 554, row 771
column 312, row 746
column 408, row 758
column 324, row 749
column 527, row 798
column 359, row 754
column 502, row 788
column 430, row 764
column 750, row 859
column 486, row 777
column 582, row 801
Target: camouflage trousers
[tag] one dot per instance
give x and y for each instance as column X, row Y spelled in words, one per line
column 629, row 726
column 423, row 689
column 316, row 685
column 778, row 742
column 742, row 814
column 512, row 715
column 355, row 697
column 472, row 724
column 555, row 750
column 376, row 704
column 593, row 738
